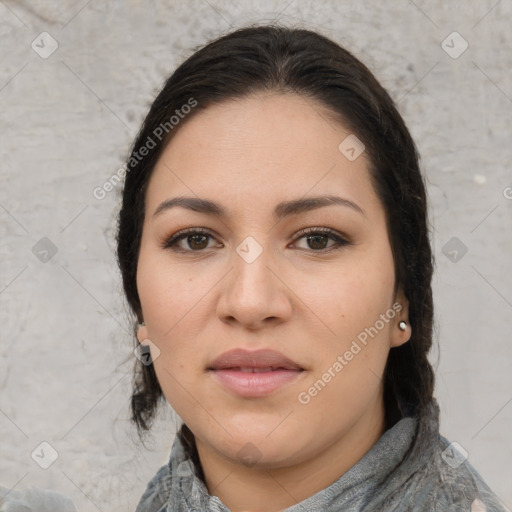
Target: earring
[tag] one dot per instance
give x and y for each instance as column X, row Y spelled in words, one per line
column 402, row 325
column 142, row 324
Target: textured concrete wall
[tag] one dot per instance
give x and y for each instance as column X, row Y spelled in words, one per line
column 68, row 114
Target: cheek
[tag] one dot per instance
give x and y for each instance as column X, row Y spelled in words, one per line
column 353, row 296
column 165, row 292
column 355, row 304
column 350, row 364
column 174, row 314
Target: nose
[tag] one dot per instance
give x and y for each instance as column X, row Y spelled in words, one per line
column 254, row 296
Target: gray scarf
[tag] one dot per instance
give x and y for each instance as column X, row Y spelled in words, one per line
column 411, row 468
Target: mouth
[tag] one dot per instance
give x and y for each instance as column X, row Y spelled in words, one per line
column 253, row 374
column 255, row 370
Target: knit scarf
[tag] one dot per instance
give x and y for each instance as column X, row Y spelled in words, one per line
column 411, row 468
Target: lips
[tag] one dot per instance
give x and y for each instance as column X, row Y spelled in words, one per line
column 257, row 360
column 254, row 374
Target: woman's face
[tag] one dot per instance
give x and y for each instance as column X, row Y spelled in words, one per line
column 251, row 280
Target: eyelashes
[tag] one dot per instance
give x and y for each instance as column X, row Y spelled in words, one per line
column 172, row 241
column 195, row 238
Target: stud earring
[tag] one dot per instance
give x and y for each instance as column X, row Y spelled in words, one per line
column 402, row 325
column 142, row 324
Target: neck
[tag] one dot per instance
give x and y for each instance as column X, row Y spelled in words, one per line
column 273, row 489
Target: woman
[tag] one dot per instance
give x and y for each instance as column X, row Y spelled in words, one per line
column 273, row 244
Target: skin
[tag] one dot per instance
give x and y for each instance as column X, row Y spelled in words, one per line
column 307, row 300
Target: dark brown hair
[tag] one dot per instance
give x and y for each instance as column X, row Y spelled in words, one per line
column 287, row 60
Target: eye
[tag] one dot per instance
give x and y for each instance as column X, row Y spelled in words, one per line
column 194, row 239
column 318, row 238
column 198, row 239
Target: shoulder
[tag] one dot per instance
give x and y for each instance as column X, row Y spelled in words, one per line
column 167, row 490
column 434, row 474
column 456, row 485
column 156, row 495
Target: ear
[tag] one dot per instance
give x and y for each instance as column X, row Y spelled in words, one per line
column 401, row 308
column 142, row 334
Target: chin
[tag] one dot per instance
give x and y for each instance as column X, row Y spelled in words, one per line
column 260, row 451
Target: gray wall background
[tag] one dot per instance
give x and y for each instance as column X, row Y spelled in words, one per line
column 67, row 120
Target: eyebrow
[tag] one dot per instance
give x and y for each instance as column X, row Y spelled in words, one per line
column 284, row 209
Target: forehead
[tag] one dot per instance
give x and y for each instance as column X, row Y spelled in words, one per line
column 261, row 148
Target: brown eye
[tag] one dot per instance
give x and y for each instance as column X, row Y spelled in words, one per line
column 197, row 241
column 190, row 240
column 317, row 239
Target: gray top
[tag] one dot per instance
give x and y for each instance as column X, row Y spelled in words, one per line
column 410, row 468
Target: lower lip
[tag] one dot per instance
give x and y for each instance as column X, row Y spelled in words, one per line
column 253, row 385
